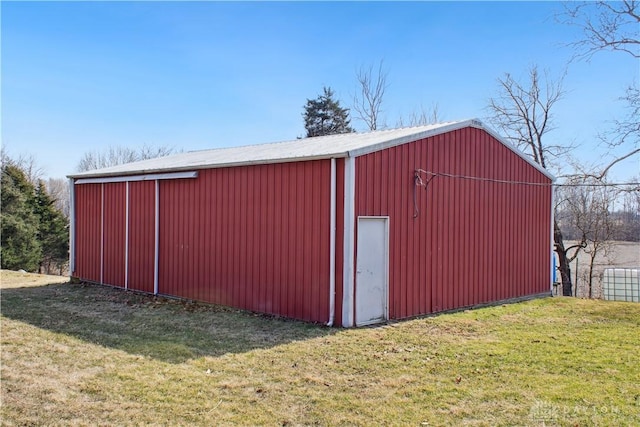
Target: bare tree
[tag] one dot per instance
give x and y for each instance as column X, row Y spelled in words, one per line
column 151, row 152
column 586, row 206
column 367, row 102
column 628, row 216
column 117, row 155
column 58, row 190
column 611, row 26
column 111, row 157
column 625, row 132
column 426, row 116
column 605, row 25
column 624, row 214
column 27, row 163
column 523, row 113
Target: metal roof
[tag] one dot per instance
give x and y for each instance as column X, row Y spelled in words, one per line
column 322, row 147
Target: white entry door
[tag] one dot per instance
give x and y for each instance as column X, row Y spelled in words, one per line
column 372, row 266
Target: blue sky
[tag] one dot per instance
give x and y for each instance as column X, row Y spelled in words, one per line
column 82, row 76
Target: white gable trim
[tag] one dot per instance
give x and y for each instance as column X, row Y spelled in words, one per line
column 410, row 138
column 513, row 148
column 474, row 123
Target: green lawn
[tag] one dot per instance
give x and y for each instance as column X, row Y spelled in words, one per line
column 84, row 354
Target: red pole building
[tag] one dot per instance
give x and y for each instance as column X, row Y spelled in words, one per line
column 346, row 230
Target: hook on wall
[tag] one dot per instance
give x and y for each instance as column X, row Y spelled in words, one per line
column 418, row 181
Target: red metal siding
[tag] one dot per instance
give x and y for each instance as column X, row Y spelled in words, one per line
column 253, row 237
column 114, row 211
column 88, row 205
column 473, row 241
column 141, row 249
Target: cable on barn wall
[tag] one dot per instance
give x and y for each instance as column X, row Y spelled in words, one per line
column 477, row 178
column 418, row 181
column 538, row 184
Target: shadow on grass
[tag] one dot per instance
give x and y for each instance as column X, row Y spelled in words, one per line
column 164, row 329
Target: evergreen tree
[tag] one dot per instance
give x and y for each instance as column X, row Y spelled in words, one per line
column 324, row 116
column 53, row 233
column 21, row 248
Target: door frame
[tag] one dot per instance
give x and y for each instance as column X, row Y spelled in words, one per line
column 385, row 290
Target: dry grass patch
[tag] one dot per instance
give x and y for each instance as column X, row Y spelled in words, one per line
column 14, row 279
column 79, row 354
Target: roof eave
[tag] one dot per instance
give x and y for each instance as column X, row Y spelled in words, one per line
column 143, row 171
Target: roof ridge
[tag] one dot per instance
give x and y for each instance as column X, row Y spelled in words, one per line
column 331, row 136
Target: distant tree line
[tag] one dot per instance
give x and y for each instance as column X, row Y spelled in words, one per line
column 622, row 224
column 116, row 155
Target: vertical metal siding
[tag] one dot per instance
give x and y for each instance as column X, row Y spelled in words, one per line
column 141, row 235
column 253, row 237
column 88, row 206
column 473, row 241
column 114, row 214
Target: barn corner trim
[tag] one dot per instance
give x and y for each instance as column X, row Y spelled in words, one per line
column 348, row 301
column 332, row 243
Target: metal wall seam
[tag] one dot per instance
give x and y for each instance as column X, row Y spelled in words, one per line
column 332, row 243
column 156, row 240
column 349, row 247
column 114, row 234
column 552, row 241
column 140, row 242
column 88, row 232
column 101, row 233
column 126, row 236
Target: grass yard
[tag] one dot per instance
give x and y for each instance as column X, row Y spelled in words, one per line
column 75, row 354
